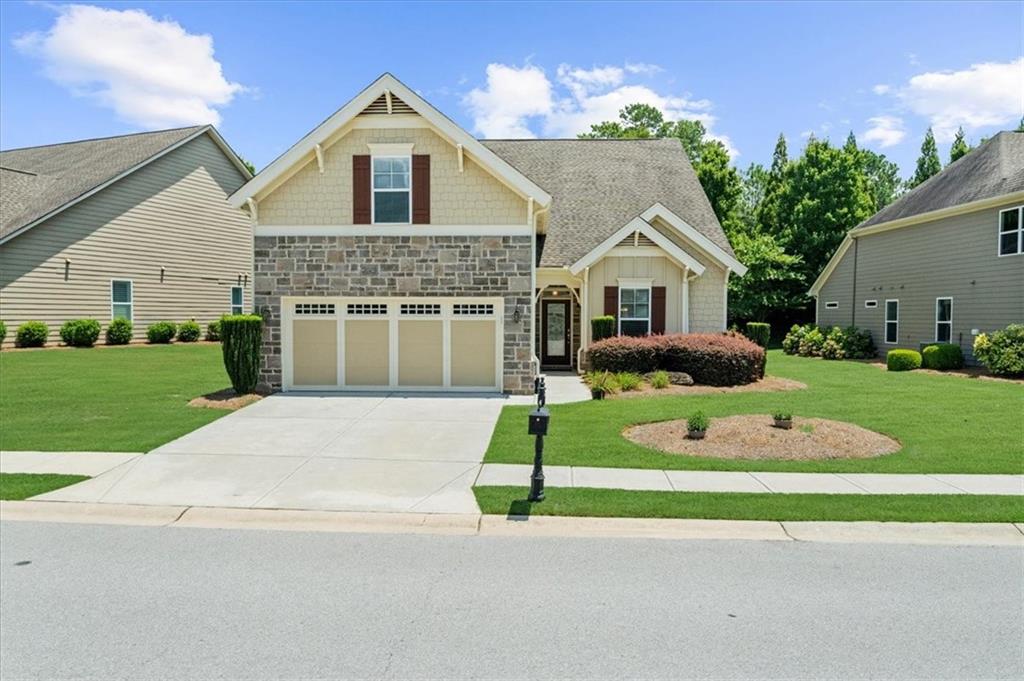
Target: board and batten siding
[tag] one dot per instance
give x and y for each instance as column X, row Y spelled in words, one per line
column 952, row 257
column 171, row 213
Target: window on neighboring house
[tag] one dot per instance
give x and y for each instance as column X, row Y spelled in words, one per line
column 392, row 189
column 832, row 305
column 236, row 300
column 1011, row 231
column 870, row 303
column 634, row 311
column 892, row 321
column 943, row 320
column 121, row 299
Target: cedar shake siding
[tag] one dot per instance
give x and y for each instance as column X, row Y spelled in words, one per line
column 170, row 214
column 951, row 257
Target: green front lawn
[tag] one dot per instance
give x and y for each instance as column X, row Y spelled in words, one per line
column 946, row 424
column 18, row 486
column 611, row 503
column 127, row 399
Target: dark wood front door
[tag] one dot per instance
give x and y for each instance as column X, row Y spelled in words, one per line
column 555, row 342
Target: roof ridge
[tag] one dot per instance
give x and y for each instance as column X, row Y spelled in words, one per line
column 109, row 137
column 576, row 139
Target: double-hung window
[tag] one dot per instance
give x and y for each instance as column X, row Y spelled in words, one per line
column 634, row 311
column 236, row 300
column 121, row 299
column 943, row 320
column 1011, row 231
column 892, row 321
column 392, row 189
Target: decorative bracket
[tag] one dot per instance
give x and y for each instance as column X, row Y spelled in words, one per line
column 319, row 157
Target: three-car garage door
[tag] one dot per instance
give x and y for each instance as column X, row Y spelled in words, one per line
column 391, row 343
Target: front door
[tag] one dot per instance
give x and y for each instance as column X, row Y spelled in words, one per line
column 555, row 342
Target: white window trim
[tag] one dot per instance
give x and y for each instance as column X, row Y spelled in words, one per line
column 832, row 305
column 635, row 286
column 374, row 190
column 950, row 322
column 885, row 324
column 870, row 304
column 130, row 303
column 241, row 306
column 1019, row 230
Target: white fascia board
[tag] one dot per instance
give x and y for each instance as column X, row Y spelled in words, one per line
column 301, row 149
column 832, row 263
column 691, row 233
column 645, row 228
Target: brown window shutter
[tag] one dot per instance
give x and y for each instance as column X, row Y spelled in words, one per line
column 657, row 309
column 421, row 189
column 361, row 192
column 611, row 301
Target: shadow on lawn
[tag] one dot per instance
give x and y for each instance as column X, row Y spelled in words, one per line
column 519, row 510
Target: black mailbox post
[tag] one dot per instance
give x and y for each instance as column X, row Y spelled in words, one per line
column 539, row 418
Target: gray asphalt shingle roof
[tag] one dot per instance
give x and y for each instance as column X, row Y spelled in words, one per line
column 597, row 186
column 993, row 169
column 37, row 180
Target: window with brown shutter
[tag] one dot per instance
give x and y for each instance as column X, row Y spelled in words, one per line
column 657, row 309
column 611, row 301
column 361, row 192
column 421, row 189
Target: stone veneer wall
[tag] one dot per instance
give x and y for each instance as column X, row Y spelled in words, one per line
column 396, row 266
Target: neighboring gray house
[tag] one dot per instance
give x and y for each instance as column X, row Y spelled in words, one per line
column 943, row 262
column 134, row 226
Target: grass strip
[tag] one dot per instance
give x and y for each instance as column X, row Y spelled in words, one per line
column 18, row 486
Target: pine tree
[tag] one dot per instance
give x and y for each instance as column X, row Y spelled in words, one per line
column 960, row 147
column 928, row 163
column 768, row 211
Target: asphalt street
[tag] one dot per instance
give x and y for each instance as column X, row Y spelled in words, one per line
column 113, row 602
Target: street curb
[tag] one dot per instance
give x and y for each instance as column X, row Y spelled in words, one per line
column 195, row 517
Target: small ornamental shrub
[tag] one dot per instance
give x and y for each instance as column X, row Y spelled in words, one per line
column 161, row 332
column 602, row 327
column 189, row 331
column 659, row 380
column 31, row 335
column 698, row 422
column 857, row 343
column 628, row 381
column 791, row 343
column 942, row 357
column 119, row 332
column 811, row 343
column 3, row 332
column 80, row 333
column 213, row 331
column 782, row 415
column 759, row 332
column 903, row 360
column 834, row 345
column 241, row 336
column 1002, row 352
column 601, row 381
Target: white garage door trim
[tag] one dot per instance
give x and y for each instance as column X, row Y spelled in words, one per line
column 346, row 309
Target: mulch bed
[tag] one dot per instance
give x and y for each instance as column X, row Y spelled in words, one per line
column 966, row 372
column 767, row 384
column 225, row 399
column 753, row 437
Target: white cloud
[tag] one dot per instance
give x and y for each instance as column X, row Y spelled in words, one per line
column 881, row 89
column 152, row 73
column 887, row 131
column 512, row 96
column 981, row 96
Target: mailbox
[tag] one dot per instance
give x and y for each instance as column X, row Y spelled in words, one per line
column 539, row 421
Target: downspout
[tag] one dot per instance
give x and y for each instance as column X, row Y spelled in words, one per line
column 853, row 300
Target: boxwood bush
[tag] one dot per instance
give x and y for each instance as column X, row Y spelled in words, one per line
column 602, row 327
column 189, row 332
column 213, row 331
column 80, row 333
column 1002, row 352
column 241, row 336
column 3, row 332
column 710, row 359
column 942, row 356
column 119, row 332
column 31, row 335
column 903, row 360
column 759, row 332
column 161, row 332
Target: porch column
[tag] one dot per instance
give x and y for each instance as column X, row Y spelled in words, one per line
column 686, row 299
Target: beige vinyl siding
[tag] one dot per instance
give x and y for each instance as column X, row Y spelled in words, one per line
column 953, row 257
column 660, row 270
column 171, row 213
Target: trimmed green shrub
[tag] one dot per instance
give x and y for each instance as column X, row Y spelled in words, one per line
column 80, row 333
column 709, row 358
column 189, row 332
column 31, row 335
column 857, row 343
column 602, row 327
column 812, row 342
column 903, row 360
column 3, row 332
column 1002, row 352
column 628, row 381
column 698, row 421
column 161, row 332
column 942, row 357
column 119, row 332
column 659, row 380
column 759, row 332
column 213, row 331
column 241, row 336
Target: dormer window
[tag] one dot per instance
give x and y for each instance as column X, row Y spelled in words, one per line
column 392, row 189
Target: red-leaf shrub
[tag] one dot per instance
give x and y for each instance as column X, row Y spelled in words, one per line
column 710, row 358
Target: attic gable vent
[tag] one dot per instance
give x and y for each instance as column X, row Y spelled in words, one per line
column 637, row 239
column 380, row 106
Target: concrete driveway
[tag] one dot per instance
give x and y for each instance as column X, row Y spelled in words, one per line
column 371, row 452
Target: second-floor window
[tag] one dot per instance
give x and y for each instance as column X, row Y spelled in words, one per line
column 1011, row 231
column 392, row 189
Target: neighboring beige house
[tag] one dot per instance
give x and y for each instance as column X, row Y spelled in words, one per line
column 136, row 226
column 395, row 251
column 944, row 262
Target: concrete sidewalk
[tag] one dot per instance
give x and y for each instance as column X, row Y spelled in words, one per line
column 64, row 463
column 494, row 474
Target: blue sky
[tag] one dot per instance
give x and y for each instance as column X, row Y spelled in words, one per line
column 266, row 73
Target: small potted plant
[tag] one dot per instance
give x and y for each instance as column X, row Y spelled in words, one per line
column 697, row 426
column 600, row 384
column 783, row 419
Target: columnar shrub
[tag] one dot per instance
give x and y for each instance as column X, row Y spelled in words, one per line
column 241, row 335
column 602, row 327
column 31, row 335
column 119, row 332
column 903, row 360
column 80, row 333
column 710, row 359
column 759, row 332
column 189, row 332
column 942, row 356
column 213, row 331
column 1002, row 352
column 3, row 332
column 161, row 332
